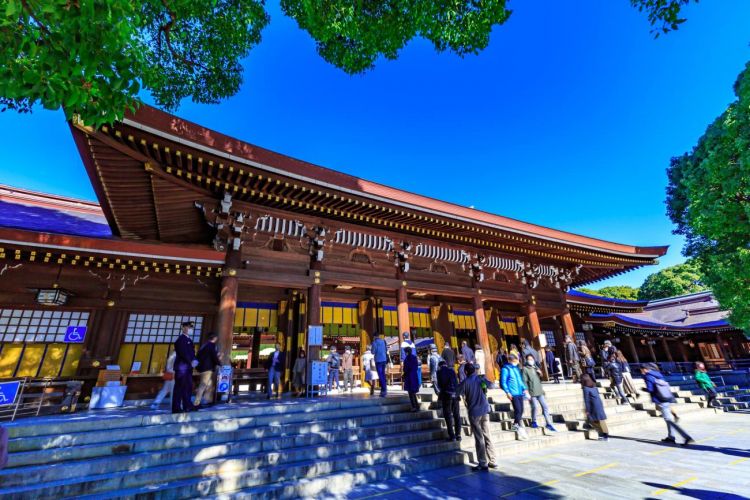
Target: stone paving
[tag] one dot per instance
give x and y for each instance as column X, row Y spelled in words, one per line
column 634, row 464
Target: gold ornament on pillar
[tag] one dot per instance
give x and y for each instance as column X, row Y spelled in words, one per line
column 520, row 320
column 282, row 307
column 439, row 340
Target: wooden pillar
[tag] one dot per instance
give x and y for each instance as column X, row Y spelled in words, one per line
column 633, row 350
column 103, row 341
column 665, row 344
column 484, row 341
column 284, row 337
column 313, row 318
column 402, row 311
column 535, row 331
column 683, row 350
column 228, row 305
column 367, row 322
column 651, row 350
column 496, row 340
column 567, row 325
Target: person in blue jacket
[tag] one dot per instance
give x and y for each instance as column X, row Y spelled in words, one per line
column 380, row 354
column 661, row 395
column 511, row 380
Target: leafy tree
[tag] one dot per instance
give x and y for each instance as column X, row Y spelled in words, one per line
column 708, row 198
column 615, row 292
column 675, row 280
column 94, row 57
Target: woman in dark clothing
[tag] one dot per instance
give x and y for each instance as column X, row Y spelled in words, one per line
column 615, row 376
column 594, row 407
column 411, row 379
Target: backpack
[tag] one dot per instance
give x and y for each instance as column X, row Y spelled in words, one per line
column 335, row 361
column 662, row 390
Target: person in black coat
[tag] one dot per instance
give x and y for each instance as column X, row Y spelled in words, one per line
column 549, row 359
column 275, row 366
column 594, row 406
column 208, row 360
column 615, row 376
column 183, row 370
column 447, row 382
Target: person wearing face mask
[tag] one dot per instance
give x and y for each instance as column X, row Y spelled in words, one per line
column 183, row 370
column 512, row 383
column 274, row 365
column 299, row 373
column 533, row 380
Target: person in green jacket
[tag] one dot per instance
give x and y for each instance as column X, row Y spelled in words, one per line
column 534, row 383
column 705, row 383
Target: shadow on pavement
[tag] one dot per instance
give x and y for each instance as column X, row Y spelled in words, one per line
column 734, row 452
column 696, row 493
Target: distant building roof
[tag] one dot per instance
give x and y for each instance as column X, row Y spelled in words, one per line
column 31, row 211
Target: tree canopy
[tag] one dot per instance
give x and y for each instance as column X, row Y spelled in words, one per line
column 675, row 280
column 94, row 57
column 615, row 292
column 708, row 198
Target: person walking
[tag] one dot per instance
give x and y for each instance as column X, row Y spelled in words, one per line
column 347, row 364
column 433, row 362
column 527, row 350
column 705, row 383
column 380, row 355
column 533, row 380
column 208, row 360
column 595, row 413
column 334, row 366
column 449, row 356
column 616, row 379
column 479, row 360
column 411, row 381
column 447, row 385
column 511, row 381
column 549, row 359
column 168, row 386
column 478, row 409
column 627, row 379
column 661, row 395
column 370, row 368
column 467, row 353
column 572, row 359
column 183, row 370
column 299, row 373
column 275, row 366
column 461, row 368
column 587, row 360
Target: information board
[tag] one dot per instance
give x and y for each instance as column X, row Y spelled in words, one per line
column 319, row 375
column 314, row 335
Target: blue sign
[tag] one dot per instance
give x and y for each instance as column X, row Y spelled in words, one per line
column 74, row 334
column 8, row 392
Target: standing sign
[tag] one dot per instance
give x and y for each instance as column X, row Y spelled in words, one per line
column 224, row 380
column 319, row 375
column 74, row 334
column 8, row 392
column 315, row 335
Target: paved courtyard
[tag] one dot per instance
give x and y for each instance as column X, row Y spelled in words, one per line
column 634, row 464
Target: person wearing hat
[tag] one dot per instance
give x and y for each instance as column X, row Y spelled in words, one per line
column 183, row 370
column 347, row 365
column 434, row 364
column 479, row 359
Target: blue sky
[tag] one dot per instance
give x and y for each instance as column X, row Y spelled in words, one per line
column 568, row 119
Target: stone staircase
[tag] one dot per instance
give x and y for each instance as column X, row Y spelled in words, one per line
column 281, row 449
column 730, row 397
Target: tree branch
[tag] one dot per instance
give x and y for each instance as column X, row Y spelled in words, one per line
column 166, row 29
column 30, row 12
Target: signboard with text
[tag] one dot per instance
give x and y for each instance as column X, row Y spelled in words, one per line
column 224, row 379
column 319, row 373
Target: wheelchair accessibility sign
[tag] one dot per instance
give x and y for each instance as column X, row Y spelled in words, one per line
column 74, row 334
column 8, row 392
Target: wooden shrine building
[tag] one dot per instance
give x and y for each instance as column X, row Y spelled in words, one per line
column 256, row 245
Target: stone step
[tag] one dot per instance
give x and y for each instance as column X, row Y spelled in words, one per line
column 272, row 424
column 271, row 438
column 93, row 421
column 509, row 447
column 252, row 469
